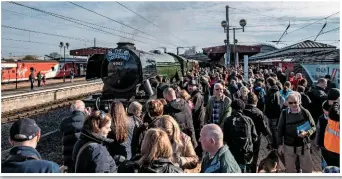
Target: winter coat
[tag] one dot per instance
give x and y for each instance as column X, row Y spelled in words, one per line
column 225, row 109
column 185, row 156
column 317, row 96
column 95, row 158
column 71, row 128
column 306, row 101
column 222, row 162
column 198, row 112
column 25, row 159
column 259, row 119
column 274, row 103
column 181, row 112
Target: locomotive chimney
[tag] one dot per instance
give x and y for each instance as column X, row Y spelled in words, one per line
column 128, row 45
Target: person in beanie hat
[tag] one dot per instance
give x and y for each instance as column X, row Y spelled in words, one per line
column 333, row 95
column 240, row 135
column 24, row 158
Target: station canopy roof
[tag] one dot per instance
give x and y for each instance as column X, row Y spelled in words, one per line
column 301, row 48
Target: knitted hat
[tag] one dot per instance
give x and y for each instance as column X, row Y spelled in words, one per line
column 333, row 94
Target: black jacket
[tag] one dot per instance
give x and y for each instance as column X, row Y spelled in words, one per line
column 94, row 158
column 71, row 128
column 273, row 103
column 317, row 96
column 306, row 101
column 281, row 77
column 259, row 119
column 206, row 91
column 330, row 85
column 160, row 165
column 233, row 91
column 180, row 110
column 320, row 130
column 198, row 112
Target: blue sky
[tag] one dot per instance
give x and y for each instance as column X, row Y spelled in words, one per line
column 179, row 24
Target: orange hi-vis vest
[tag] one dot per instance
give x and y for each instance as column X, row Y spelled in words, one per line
column 332, row 136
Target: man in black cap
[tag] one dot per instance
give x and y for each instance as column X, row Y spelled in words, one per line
column 24, row 158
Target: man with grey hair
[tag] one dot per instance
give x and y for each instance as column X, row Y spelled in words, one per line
column 294, row 130
column 218, row 159
column 71, row 128
column 218, row 107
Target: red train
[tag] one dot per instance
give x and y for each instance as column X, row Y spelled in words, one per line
column 10, row 70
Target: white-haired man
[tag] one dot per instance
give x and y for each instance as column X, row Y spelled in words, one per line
column 71, row 128
column 218, row 159
column 218, row 107
column 295, row 127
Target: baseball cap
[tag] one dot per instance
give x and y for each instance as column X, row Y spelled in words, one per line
column 24, row 129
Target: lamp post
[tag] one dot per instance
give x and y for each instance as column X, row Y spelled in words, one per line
column 243, row 23
column 61, row 45
column 225, row 25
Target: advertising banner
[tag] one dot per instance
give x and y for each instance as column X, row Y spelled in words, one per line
column 316, row 71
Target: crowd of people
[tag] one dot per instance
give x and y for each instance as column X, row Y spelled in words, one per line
column 212, row 119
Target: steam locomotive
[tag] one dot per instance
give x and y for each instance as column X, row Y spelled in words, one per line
column 128, row 74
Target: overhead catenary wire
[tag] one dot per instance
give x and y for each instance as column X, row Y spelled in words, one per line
column 50, row 34
column 41, row 43
column 331, row 30
column 110, row 18
column 313, row 22
column 72, row 20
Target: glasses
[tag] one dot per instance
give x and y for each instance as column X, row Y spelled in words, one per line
column 219, row 89
column 292, row 102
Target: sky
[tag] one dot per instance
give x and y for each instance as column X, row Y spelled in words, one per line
column 150, row 25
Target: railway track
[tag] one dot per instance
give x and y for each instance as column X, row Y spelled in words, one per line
column 22, row 113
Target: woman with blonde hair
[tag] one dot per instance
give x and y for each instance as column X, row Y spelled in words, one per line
column 156, row 155
column 122, row 130
column 183, row 150
column 244, row 94
column 185, row 95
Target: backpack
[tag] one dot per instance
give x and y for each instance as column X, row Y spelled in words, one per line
column 240, row 133
column 274, row 103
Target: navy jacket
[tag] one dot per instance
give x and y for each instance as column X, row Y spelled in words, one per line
column 71, row 128
column 94, row 158
column 28, row 161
